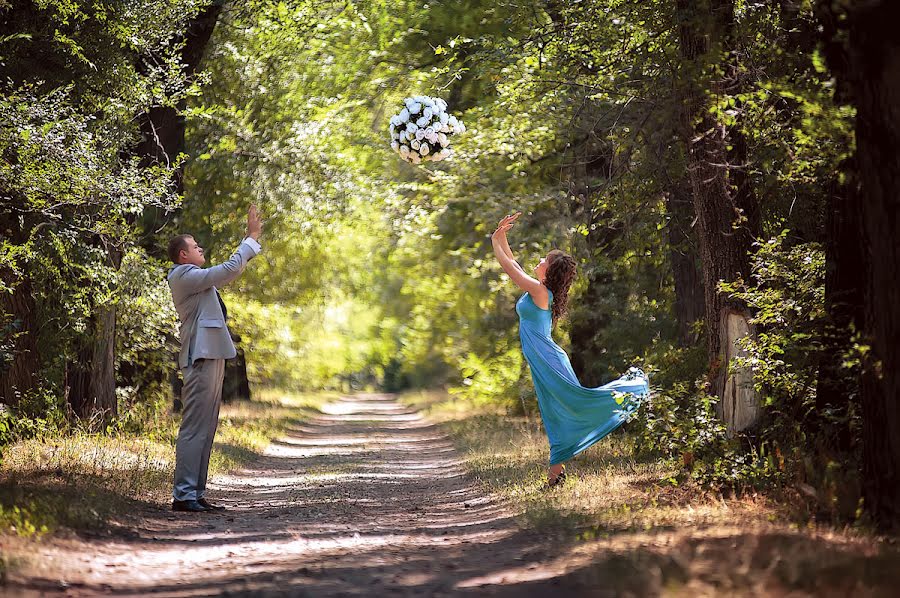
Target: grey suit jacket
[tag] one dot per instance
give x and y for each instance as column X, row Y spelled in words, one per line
column 204, row 334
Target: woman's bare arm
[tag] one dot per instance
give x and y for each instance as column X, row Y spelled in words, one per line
column 512, row 268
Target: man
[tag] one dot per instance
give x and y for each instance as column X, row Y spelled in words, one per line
column 205, row 345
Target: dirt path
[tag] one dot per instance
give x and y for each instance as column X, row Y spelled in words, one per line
column 366, row 499
column 370, row 499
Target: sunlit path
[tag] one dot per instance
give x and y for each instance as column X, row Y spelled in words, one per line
column 368, row 497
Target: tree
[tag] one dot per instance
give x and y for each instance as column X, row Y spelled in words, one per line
column 863, row 49
column 724, row 203
column 70, row 187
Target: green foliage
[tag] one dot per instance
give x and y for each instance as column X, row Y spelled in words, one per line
column 498, row 379
column 375, row 272
column 788, row 299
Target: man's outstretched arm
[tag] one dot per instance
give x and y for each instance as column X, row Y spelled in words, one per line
column 196, row 280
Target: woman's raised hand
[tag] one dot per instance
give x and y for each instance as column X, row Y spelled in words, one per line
column 507, row 223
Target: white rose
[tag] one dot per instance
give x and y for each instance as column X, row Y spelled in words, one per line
column 415, row 108
column 395, row 136
column 444, row 117
column 442, row 139
column 395, row 146
column 403, row 116
column 432, row 139
column 404, row 150
column 415, row 144
column 420, row 134
column 428, row 113
column 445, row 128
column 395, row 121
column 409, row 102
column 415, row 157
column 411, row 127
column 429, row 131
column 461, row 128
column 424, row 149
column 422, row 121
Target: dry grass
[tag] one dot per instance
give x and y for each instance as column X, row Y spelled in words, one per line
column 607, row 491
column 78, row 480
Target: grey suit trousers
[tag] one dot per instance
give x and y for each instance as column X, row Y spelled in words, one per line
column 201, row 396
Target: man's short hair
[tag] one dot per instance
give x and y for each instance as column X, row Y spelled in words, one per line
column 176, row 245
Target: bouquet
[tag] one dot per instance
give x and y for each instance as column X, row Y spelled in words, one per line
column 421, row 132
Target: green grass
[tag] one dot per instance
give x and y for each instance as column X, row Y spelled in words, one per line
column 608, row 490
column 79, row 481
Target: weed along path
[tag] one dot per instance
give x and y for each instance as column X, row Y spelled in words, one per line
column 371, row 499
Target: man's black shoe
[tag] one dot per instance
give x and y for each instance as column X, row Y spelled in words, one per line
column 192, row 506
column 210, row 506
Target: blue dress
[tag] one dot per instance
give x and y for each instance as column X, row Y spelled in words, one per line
column 574, row 417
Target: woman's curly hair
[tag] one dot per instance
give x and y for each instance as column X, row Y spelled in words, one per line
column 561, row 270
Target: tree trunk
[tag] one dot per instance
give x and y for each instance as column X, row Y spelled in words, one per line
column 19, row 374
column 863, row 50
column 688, row 278
column 845, row 281
column 163, row 127
column 18, row 317
column 91, row 380
column 725, row 207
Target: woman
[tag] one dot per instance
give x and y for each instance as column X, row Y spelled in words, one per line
column 574, row 417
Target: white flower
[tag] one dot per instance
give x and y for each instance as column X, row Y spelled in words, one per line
column 442, row 139
column 415, row 108
column 461, row 128
column 422, row 121
column 409, row 102
column 404, row 150
column 415, row 144
column 432, row 139
column 440, row 103
column 429, row 131
column 395, row 146
column 420, row 134
column 395, row 120
column 428, row 113
column 444, row 117
column 395, row 136
column 403, row 116
column 445, row 128
column 416, row 158
column 452, row 121
column 411, row 127
column 424, row 149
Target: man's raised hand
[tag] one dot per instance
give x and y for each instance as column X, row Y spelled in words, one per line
column 254, row 223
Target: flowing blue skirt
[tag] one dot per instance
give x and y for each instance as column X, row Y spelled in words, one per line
column 575, row 417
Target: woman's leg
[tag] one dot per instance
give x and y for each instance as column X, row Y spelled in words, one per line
column 555, row 470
